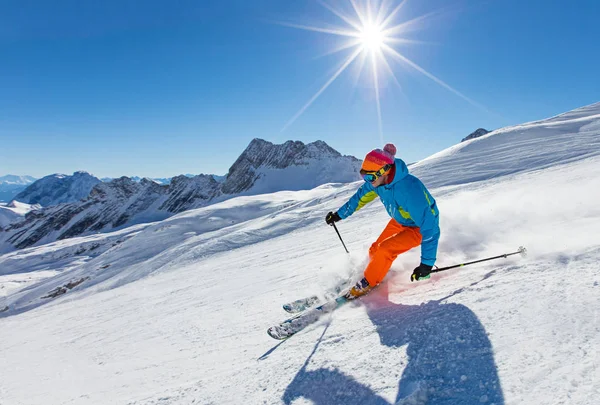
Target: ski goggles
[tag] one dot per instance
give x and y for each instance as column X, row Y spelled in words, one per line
column 372, row 176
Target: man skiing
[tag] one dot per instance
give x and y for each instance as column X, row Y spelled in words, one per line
column 415, row 217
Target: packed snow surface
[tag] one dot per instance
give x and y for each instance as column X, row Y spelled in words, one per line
column 175, row 312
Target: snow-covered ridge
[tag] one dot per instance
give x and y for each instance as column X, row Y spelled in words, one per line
column 14, row 212
column 262, row 168
column 539, row 144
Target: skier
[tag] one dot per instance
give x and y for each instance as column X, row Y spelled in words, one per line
column 415, row 217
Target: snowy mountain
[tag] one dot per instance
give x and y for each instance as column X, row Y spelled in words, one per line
column 175, row 312
column 263, row 167
column 162, row 181
column 11, row 185
column 58, row 189
column 476, row 134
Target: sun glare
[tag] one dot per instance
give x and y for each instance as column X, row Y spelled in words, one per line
column 371, row 34
column 372, row 38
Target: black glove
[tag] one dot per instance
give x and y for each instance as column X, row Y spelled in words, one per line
column 332, row 217
column 421, row 272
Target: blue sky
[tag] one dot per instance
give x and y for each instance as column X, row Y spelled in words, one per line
column 160, row 88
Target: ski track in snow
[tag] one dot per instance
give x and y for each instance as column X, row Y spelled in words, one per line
column 177, row 311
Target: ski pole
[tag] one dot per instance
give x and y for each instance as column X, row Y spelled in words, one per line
column 338, row 232
column 522, row 251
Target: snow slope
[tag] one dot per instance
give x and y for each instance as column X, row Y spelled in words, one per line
column 14, row 211
column 177, row 313
column 29, row 266
column 532, row 146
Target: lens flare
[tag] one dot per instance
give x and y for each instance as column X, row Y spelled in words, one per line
column 371, row 33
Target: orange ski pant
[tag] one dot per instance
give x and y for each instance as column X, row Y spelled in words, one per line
column 394, row 240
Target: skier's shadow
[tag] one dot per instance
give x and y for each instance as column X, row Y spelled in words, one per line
column 450, row 358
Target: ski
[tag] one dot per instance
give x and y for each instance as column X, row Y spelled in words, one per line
column 295, row 324
column 303, row 304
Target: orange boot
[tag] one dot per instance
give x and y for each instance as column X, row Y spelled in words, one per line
column 360, row 289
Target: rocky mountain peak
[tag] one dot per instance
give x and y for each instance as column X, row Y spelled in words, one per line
column 261, row 155
column 124, row 188
column 476, row 134
column 81, row 173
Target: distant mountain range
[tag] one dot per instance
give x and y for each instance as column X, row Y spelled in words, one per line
column 162, row 181
column 262, row 168
column 11, row 185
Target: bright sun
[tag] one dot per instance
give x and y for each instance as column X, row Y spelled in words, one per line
column 372, row 38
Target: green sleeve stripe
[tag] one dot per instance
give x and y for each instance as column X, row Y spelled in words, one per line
column 404, row 214
column 365, row 199
column 429, row 202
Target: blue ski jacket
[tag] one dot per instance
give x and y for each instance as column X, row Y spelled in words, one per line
column 407, row 200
